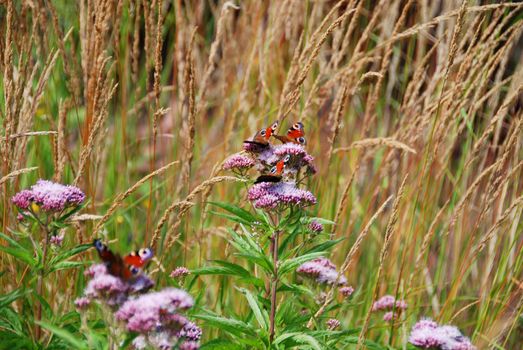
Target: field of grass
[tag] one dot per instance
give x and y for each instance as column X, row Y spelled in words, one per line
column 412, row 110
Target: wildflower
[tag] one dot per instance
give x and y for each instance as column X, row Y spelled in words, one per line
column 189, row 345
column 388, row 302
column 315, row 226
column 323, row 270
column 108, row 288
column 82, row 303
column 266, row 195
column 238, row 161
column 180, row 272
column 57, row 240
column 389, row 316
column 333, row 323
column 50, row 196
column 144, row 313
column 190, row 331
column 427, row 334
column 346, row 291
column 20, row 217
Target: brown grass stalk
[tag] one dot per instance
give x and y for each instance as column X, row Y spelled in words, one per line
column 349, row 260
column 122, row 196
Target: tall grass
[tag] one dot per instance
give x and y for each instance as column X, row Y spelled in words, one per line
column 140, row 102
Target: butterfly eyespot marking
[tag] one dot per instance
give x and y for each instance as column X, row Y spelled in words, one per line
column 99, row 245
column 301, row 140
column 262, row 132
column 145, row 253
column 287, row 158
column 134, row 270
column 273, row 170
column 297, row 126
column 274, row 126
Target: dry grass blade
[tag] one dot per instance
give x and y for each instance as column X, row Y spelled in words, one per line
column 16, row 173
column 391, row 228
column 348, row 260
column 122, row 196
column 375, row 142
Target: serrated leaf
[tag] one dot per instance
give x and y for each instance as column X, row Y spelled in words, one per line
column 237, row 211
column 256, row 310
column 230, row 325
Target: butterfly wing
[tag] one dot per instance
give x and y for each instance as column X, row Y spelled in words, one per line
column 296, row 131
column 139, row 258
column 261, row 138
column 116, row 265
column 275, row 174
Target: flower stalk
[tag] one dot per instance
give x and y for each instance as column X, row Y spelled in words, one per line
column 274, row 282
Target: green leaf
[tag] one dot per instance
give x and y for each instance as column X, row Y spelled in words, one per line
column 227, row 268
column 65, row 265
column 230, row 325
column 253, row 303
column 239, row 212
column 220, row 344
column 322, row 247
column 17, row 250
column 66, row 254
column 8, row 298
column 300, row 338
column 65, row 335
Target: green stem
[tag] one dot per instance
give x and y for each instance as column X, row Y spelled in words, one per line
column 274, row 282
column 40, row 284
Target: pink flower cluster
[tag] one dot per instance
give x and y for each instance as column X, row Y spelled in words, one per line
column 268, row 195
column 316, row 226
column 333, row 323
column 180, row 272
column 322, row 270
column 156, row 317
column 51, row 196
column 238, row 161
column 146, row 312
column 110, row 289
column 57, row 240
column 389, row 304
column 346, row 291
column 427, row 334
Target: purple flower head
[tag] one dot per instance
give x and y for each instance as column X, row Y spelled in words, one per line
column 23, row 199
column 180, row 272
column 267, row 156
column 190, row 345
column 147, row 311
column 238, row 161
column 190, row 331
column 322, row 270
column 107, row 288
column 20, row 217
column 267, row 195
column 57, row 240
column 82, row 303
column 298, row 156
column 389, row 316
column 346, row 291
column 388, row 302
column 316, row 226
column 141, row 284
column 96, row 269
column 427, row 334
column 51, row 196
column 333, row 323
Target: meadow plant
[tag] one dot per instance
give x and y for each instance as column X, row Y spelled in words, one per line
column 400, row 173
